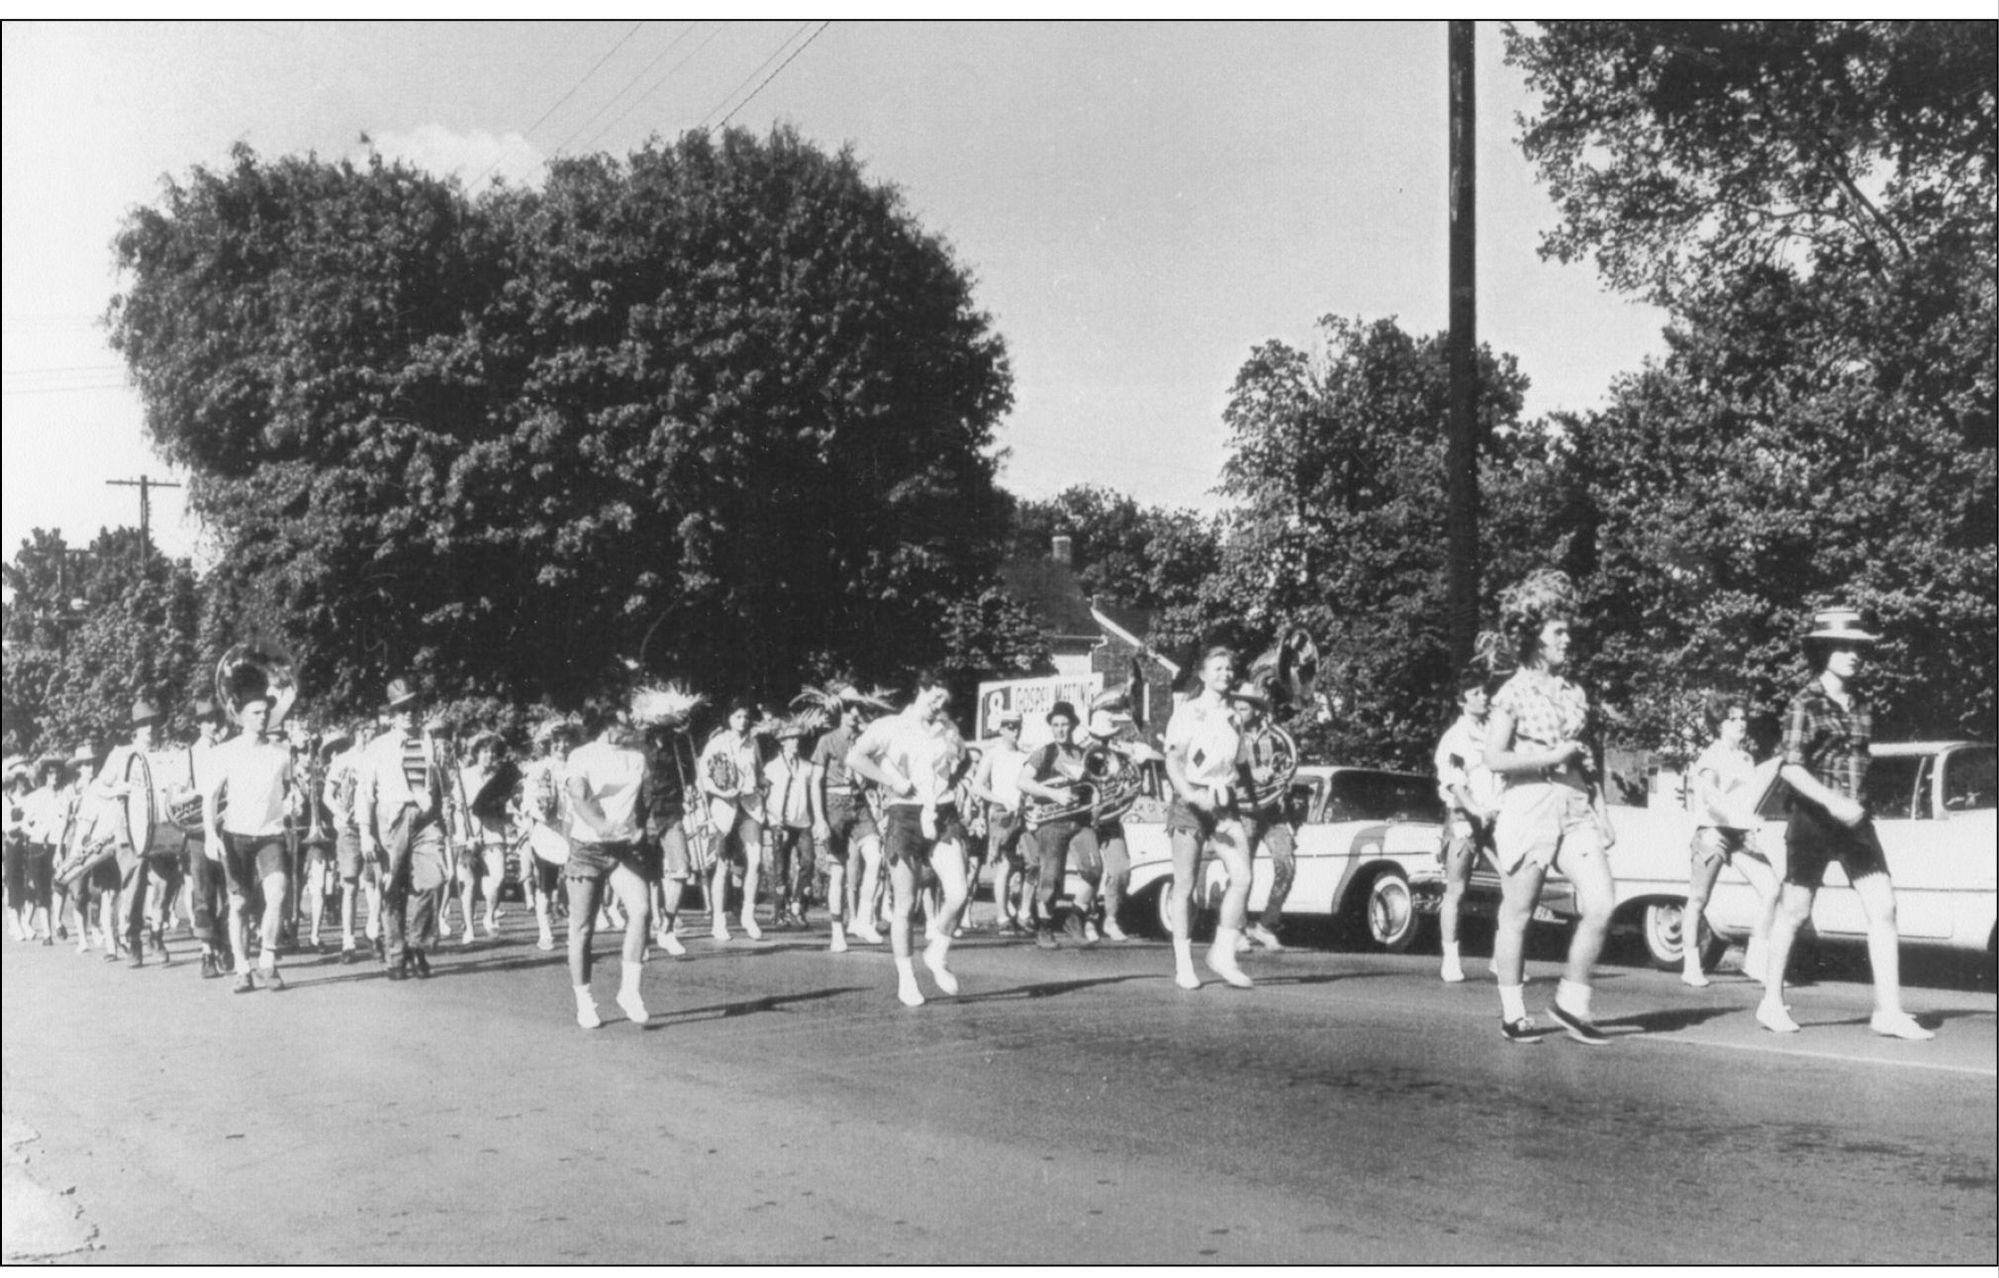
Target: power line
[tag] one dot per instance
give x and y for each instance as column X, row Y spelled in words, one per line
column 656, row 85
column 782, row 45
column 626, row 88
column 564, row 98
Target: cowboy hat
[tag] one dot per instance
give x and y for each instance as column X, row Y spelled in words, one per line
column 1104, row 725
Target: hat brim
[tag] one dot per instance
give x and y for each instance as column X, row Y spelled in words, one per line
column 1842, row 636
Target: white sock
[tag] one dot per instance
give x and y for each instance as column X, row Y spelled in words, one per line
column 628, row 978
column 1450, row 951
column 1513, row 1002
column 1573, row 997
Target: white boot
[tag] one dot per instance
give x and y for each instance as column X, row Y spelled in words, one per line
column 933, row 958
column 1221, row 958
column 1183, row 964
column 905, row 983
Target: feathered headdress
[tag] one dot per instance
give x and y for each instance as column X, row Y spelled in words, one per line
column 668, row 705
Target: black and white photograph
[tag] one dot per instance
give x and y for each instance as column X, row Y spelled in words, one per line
column 1079, row 641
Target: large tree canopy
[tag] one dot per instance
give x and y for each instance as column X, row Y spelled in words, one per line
column 722, row 408
column 1814, row 202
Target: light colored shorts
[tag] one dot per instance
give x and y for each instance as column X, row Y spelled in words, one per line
column 1544, row 823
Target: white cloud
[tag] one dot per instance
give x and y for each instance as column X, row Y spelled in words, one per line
column 474, row 158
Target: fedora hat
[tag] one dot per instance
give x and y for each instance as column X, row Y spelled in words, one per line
column 143, row 712
column 1841, row 625
column 206, row 709
column 400, row 693
column 85, row 753
column 1104, row 724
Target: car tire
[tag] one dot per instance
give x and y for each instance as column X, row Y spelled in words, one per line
column 1385, row 913
column 1662, row 927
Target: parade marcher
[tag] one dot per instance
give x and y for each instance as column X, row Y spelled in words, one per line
column 482, row 833
column 360, row 873
column 1268, row 824
column 844, row 825
column 917, row 758
column 1203, row 752
column 401, row 814
column 1106, row 733
column 248, row 837
column 544, row 809
column 605, row 781
column 89, row 856
column 1551, row 813
column 318, row 832
column 19, row 784
column 43, row 815
column 663, row 713
column 788, row 824
column 728, row 776
column 1725, row 795
column 138, row 867
column 996, row 782
column 1471, row 796
column 1049, row 774
column 207, row 886
column 1825, row 760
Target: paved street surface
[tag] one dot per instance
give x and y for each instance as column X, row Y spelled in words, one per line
column 1068, row 1107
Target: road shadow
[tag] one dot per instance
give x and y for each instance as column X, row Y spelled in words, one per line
column 1323, row 978
column 1667, row 1020
column 749, row 1007
column 1055, row 989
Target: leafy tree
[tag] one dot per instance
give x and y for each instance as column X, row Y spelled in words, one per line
column 1133, row 556
column 991, row 637
column 89, row 632
column 1337, row 466
column 721, row 408
column 1814, row 202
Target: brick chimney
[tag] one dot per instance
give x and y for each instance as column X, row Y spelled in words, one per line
column 1059, row 551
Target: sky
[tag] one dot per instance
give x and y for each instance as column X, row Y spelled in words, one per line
column 1139, row 204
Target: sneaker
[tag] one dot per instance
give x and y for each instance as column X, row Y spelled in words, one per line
column 1112, row 932
column 633, row 1007
column 1453, row 972
column 838, row 945
column 1263, row 936
column 210, row 969
column 1580, row 1028
column 1523, row 1030
column 934, row 960
column 1073, row 925
column 751, row 930
column 670, row 942
column 1090, row 934
column 422, row 962
column 866, row 934
column 1045, row 939
column 1899, row 1025
column 273, row 981
column 1186, row 978
column 1696, row 978
column 586, row 1016
column 545, row 941
column 1776, row 1018
column 244, row 983
column 466, row 939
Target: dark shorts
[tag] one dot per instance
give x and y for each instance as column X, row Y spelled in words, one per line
column 743, row 836
column 1814, row 841
column 248, row 860
column 905, row 833
column 1114, row 851
column 849, row 821
column 319, row 850
column 1006, row 837
column 597, row 860
column 348, row 856
column 1714, row 843
column 676, row 858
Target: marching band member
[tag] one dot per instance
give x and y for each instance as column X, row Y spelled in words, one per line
column 402, row 826
column 90, row 865
column 482, row 843
column 1113, row 849
column 1202, row 749
column 1268, row 824
column 42, row 818
column 249, row 837
column 663, row 712
column 917, row 757
column 1048, row 774
column 207, row 892
column 360, row 874
column 545, row 811
column 728, row 774
column 996, row 781
column 844, row 824
column 136, row 868
column 318, row 839
column 19, row 785
column 605, row 782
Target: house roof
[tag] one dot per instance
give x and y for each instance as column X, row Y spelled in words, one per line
column 1052, row 594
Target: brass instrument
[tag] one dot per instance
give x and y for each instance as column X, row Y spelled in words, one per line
column 1282, row 751
column 258, row 666
column 1287, row 672
column 1110, row 784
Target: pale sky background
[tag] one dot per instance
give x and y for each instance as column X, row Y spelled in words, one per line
column 1140, row 204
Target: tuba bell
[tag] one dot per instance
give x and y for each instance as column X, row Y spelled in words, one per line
column 1288, row 670
column 254, row 668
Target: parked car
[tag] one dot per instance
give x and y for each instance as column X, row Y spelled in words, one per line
column 1368, row 845
column 1934, row 806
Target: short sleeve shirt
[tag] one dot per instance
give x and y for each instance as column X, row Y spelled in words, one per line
column 253, row 779
column 1827, row 740
column 830, row 755
column 1546, row 708
column 615, row 777
column 1734, row 773
column 1209, row 739
column 1461, row 763
column 929, row 754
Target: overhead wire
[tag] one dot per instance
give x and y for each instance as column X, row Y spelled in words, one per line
column 774, row 75
column 642, row 72
column 598, row 65
column 727, row 97
column 656, row 85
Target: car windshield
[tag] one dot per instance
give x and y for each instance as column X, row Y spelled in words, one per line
column 1383, row 796
column 1898, row 787
column 1968, row 780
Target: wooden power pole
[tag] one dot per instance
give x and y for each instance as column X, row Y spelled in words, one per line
column 1462, row 449
column 145, row 484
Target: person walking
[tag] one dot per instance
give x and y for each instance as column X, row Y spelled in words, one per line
column 1471, row 797
column 402, row 826
column 1725, row 794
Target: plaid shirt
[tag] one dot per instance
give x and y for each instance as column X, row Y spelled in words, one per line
column 1827, row 741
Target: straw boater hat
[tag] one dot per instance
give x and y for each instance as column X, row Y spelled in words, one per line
column 1841, row 625
column 143, row 712
column 400, row 693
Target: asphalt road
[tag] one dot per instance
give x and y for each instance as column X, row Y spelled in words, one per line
column 1067, row 1107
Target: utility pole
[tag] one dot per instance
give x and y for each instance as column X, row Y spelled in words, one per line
column 145, row 484
column 1461, row 450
